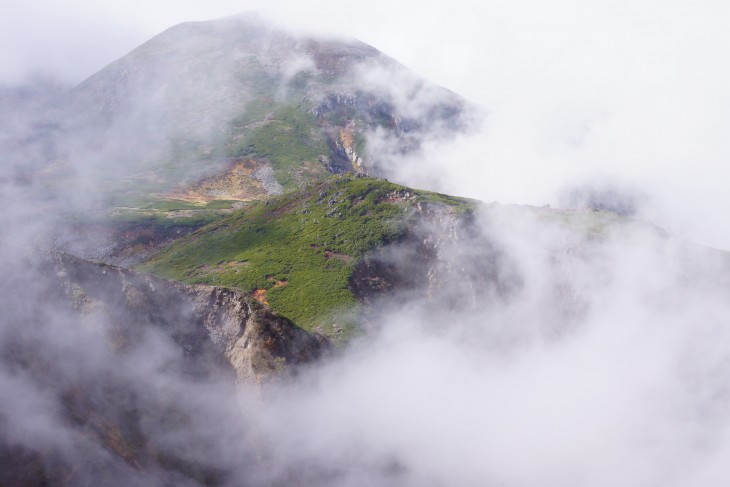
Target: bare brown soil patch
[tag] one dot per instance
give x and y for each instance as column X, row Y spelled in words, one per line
column 237, row 183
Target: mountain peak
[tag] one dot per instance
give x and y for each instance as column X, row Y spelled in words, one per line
column 203, row 99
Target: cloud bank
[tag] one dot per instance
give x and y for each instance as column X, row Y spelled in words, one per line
column 607, row 365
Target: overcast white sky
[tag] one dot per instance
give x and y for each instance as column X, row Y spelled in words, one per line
column 630, row 90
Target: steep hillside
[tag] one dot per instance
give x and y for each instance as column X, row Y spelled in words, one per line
column 121, row 366
column 217, row 327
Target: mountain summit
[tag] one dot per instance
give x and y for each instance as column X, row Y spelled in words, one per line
column 237, row 109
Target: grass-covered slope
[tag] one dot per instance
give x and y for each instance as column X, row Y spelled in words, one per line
column 297, row 251
column 287, row 136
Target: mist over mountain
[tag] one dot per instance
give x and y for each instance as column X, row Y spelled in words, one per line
column 236, row 109
column 262, row 308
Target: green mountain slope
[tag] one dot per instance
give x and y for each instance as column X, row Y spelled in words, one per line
column 298, row 251
column 323, row 255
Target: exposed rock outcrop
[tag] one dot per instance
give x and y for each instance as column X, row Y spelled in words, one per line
column 444, row 255
column 217, row 327
column 112, row 377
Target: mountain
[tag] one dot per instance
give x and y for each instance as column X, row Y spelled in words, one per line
column 236, row 109
column 265, row 308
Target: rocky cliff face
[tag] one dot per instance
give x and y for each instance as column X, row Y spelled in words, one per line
column 446, row 259
column 216, row 327
column 110, row 377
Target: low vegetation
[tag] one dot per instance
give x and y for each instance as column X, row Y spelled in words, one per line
column 297, row 252
column 286, row 135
